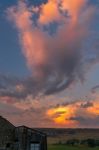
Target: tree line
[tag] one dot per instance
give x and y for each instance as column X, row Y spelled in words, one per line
column 76, row 142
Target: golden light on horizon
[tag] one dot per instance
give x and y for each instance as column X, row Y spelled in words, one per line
column 61, row 115
column 94, row 110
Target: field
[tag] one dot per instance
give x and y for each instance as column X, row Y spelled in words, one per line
column 57, row 138
column 57, row 135
column 63, row 147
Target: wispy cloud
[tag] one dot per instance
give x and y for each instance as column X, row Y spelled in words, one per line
column 95, row 88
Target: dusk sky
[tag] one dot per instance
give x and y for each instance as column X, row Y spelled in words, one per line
column 49, row 62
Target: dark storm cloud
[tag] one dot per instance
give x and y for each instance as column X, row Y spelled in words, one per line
column 87, row 121
column 58, row 114
column 95, row 88
column 16, row 88
column 8, row 85
column 86, row 105
column 77, row 118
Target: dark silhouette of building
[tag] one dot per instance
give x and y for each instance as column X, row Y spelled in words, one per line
column 20, row 138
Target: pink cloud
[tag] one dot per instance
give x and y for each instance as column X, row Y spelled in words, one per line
column 53, row 60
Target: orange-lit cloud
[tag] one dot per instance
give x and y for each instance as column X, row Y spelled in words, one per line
column 73, row 115
column 54, row 58
column 51, row 113
column 74, row 7
column 95, row 109
column 49, row 12
column 52, row 36
column 31, row 38
column 61, row 115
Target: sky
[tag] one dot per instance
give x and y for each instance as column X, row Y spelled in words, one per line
column 49, row 63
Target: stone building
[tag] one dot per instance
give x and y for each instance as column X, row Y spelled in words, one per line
column 20, row 138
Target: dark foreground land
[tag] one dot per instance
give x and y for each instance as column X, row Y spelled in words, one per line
column 63, row 147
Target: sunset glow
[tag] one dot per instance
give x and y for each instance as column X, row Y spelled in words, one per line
column 94, row 110
column 49, row 63
column 69, row 115
column 62, row 115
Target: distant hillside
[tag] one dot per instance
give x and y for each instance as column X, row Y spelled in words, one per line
column 56, row 135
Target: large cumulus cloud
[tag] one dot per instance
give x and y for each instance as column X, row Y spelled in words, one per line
column 53, row 36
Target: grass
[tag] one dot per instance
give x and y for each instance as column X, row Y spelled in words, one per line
column 64, row 147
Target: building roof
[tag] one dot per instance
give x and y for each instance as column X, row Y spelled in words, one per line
column 5, row 124
column 32, row 129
